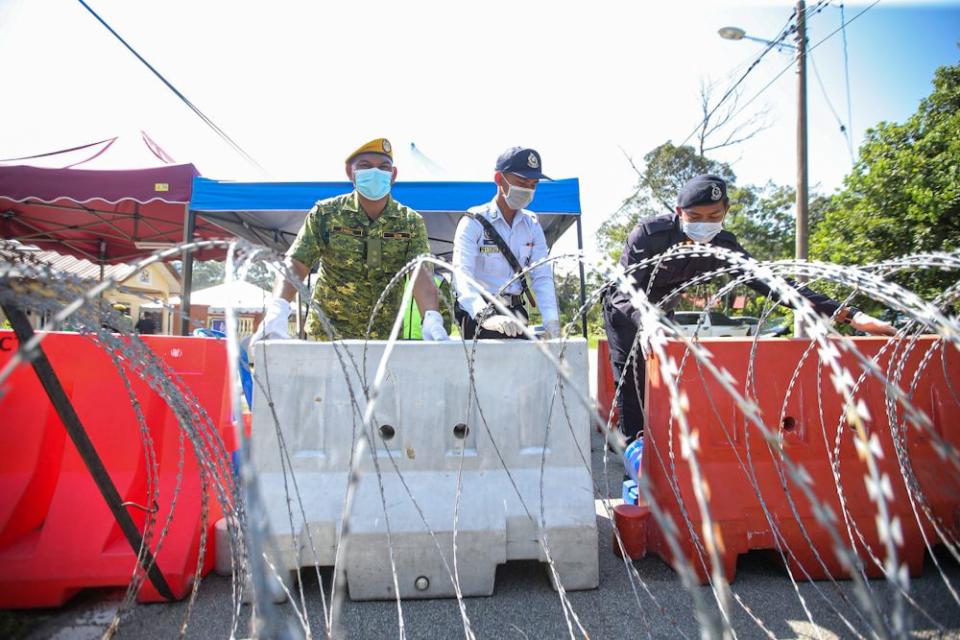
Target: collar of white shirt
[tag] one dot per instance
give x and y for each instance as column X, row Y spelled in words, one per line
column 492, row 212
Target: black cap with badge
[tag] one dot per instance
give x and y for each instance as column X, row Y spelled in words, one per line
column 521, row 161
column 704, row 189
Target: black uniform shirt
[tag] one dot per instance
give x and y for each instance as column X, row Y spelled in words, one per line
column 655, row 235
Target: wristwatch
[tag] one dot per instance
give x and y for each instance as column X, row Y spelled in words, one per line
column 851, row 312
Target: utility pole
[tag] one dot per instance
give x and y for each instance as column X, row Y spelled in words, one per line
column 803, row 223
column 803, row 195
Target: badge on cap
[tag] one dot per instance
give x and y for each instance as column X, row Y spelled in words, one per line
column 532, row 161
column 386, row 146
column 715, row 192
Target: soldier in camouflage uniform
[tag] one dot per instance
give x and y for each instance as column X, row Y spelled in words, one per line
column 360, row 240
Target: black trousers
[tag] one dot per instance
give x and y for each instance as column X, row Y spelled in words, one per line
column 621, row 332
column 469, row 326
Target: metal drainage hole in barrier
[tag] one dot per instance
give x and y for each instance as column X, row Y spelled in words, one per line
column 461, row 431
column 789, row 423
column 387, row 432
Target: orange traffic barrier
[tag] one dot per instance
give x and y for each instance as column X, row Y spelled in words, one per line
column 606, row 385
column 57, row 534
column 731, row 449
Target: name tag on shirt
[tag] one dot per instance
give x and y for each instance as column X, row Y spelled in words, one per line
column 489, row 248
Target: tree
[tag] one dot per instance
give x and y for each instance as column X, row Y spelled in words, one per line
column 764, row 219
column 666, row 168
column 903, row 195
column 720, row 127
column 568, row 299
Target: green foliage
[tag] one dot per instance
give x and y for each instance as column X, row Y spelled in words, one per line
column 903, row 195
column 568, row 299
column 667, row 167
column 764, row 219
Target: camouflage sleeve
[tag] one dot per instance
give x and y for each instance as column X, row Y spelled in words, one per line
column 307, row 246
column 420, row 243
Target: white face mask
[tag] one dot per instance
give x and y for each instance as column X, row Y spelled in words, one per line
column 702, row 232
column 517, row 197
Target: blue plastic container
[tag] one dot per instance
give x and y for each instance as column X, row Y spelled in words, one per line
column 629, row 492
column 632, row 456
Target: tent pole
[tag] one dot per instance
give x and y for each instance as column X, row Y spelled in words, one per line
column 299, row 324
column 583, row 285
column 103, row 258
column 186, row 273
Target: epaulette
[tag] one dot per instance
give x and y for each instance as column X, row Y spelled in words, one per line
column 658, row 224
column 323, row 210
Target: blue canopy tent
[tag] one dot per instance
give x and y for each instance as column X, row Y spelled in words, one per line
column 271, row 213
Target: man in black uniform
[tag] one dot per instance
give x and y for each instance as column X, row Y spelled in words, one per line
column 701, row 207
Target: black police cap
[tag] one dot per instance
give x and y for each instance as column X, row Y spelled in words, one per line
column 705, row 189
column 521, row 161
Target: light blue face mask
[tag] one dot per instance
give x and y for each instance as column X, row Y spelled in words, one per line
column 702, row 232
column 372, row 184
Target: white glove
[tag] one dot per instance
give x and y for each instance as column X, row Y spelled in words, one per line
column 432, row 327
column 503, row 324
column 276, row 323
column 551, row 329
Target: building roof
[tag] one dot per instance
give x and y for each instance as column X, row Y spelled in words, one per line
column 84, row 269
column 242, row 296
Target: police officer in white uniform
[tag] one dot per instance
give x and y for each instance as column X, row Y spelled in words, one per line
column 476, row 253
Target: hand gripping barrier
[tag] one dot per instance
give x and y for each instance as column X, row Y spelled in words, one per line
column 427, row 427
column 727, row 464
column 57, row 535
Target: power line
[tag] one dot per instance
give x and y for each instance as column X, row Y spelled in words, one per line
column 210, row 123
column 787, row 29
column 846, row 77
column 843, row 128
column 790, row 66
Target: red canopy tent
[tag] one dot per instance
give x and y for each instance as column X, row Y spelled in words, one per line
column 103, row 216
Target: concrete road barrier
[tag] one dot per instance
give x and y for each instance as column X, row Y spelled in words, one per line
column 427, row 425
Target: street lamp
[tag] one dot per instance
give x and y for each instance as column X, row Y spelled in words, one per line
column 736, row 33
column 803, row 198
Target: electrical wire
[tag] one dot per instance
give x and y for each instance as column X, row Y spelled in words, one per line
column 210, row 123
column 809, row 50
column 786, row 31
column 844, row 131
column 846, row 78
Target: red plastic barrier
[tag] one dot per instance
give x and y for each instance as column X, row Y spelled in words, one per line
column 57, row 535
column 733, row 502
column 606, row 385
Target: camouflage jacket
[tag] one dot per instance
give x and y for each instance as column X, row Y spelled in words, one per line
column 357, row 257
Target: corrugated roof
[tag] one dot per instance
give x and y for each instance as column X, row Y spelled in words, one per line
column 16, row 251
